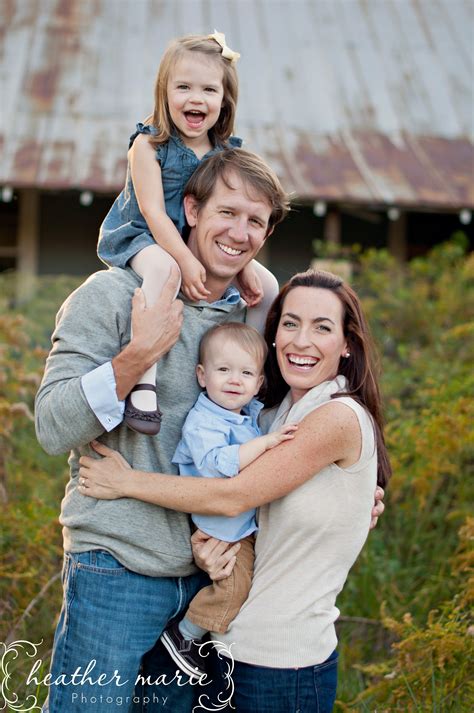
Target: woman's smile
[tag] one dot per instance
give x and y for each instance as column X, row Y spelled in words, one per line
column 305, row 363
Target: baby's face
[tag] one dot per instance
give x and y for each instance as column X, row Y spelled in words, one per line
column 231, row 375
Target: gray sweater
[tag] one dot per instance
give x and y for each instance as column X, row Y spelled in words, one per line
column 93, row 326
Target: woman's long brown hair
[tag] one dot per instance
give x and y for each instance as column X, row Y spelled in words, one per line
column 359, row 369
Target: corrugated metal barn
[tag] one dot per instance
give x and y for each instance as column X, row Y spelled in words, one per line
column 364, row 108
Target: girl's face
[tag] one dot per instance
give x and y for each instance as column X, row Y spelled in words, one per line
column 195, row 92
column 310, row 339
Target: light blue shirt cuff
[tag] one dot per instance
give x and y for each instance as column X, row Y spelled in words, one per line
column 99, row 389
column 227, row 460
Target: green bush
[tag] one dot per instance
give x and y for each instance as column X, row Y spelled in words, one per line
column 422, row 317
column 405, row 635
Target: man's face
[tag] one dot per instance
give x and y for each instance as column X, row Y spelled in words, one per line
column 229, row 230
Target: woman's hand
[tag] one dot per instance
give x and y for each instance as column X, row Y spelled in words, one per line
column 379, row 506
column 104, row 478
column 215, row 557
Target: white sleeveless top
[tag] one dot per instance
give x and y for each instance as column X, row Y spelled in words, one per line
column 306, row 544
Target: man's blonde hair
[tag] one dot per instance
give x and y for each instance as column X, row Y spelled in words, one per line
column 251, row 169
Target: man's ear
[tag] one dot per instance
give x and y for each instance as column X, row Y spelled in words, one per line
column 191, row 210
column 200, row 376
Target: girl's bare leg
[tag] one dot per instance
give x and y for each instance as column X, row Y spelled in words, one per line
column 153, row 264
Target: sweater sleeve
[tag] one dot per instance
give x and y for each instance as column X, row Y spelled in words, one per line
column 89, row 332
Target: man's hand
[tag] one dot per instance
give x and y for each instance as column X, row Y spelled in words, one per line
column 215, row 557
column 155, row 329
column 379, row 507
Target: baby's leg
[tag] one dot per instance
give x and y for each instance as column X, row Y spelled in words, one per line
column 256, row 316
column 153, row 264
column 212, row 609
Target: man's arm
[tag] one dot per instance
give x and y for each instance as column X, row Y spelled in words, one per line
column 91, row 328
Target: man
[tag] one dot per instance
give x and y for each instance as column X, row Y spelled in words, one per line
column 128, row 565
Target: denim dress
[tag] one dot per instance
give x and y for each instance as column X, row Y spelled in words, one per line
column 124, row 231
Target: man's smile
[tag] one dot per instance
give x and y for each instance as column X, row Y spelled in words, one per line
column 228, row 250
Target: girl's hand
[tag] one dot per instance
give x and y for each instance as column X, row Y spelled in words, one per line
column 193, row 278
column 250, row 286
column 215, row 557
column 284, row 433
column 104, row 478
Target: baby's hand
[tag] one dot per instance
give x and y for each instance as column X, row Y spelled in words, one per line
column 193, row 278
column 250, row 286
column 284, row 433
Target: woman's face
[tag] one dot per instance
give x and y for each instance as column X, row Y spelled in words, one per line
column 310, row 339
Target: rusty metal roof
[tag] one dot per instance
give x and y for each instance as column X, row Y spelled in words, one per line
column 367, row 101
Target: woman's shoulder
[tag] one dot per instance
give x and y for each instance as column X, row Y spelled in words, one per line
column 347, row 412
column 359, row 421
column 342, row 413
column 361, row 412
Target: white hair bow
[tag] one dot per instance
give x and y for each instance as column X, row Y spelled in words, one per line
column 219, row 37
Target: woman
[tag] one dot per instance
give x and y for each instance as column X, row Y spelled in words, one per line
column 315, row 494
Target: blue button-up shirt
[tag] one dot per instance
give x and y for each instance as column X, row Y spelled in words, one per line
column 209, row 448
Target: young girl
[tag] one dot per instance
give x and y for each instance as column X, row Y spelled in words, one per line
column 195, row 103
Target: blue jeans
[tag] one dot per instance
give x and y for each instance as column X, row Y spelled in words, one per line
column 259, row 689
column 110, row 618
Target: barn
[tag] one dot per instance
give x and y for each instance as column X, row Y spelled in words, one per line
column 363, row 107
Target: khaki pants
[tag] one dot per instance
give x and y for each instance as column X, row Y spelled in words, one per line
column 214, row 607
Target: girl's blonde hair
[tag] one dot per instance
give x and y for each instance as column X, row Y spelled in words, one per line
column 161, row 119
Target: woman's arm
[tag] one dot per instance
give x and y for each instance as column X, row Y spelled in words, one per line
column 330, row 434
column 253, row 449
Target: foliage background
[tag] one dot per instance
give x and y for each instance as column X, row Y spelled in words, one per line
column 406, row 639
